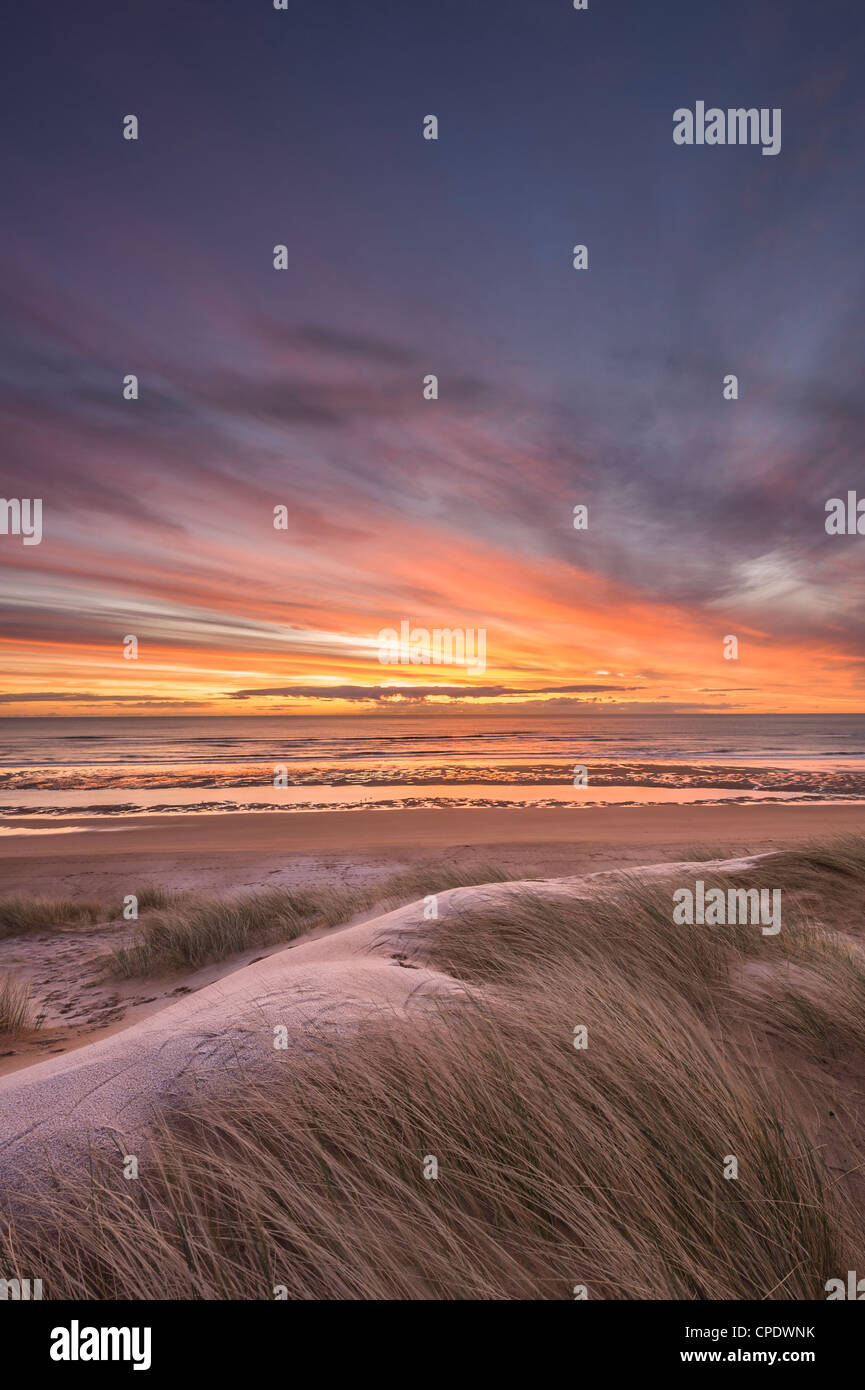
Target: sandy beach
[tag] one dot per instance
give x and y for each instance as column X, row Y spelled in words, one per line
column 242, row 849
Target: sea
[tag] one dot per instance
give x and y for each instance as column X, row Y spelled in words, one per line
column 125, row 766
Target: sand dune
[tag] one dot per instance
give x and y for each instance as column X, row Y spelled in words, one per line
column 104, row 1095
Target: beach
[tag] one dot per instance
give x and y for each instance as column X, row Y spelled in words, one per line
column 241, row 849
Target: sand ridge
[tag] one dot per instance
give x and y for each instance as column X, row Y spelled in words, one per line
column 105, row 1094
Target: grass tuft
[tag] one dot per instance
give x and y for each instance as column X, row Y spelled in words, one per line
column 16, row 1015
column 20, row 915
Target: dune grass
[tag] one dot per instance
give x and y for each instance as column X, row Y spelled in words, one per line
column 195, row 929
column 600, row 1166
column 701, row 853
column 151, row 897
column 16, row 1010
column 20, row 914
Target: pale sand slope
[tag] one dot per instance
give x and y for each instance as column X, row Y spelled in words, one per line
column 104, row 1095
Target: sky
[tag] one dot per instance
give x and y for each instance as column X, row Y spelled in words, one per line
column 303, row 388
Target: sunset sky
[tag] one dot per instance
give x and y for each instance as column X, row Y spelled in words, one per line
column 303, row 388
